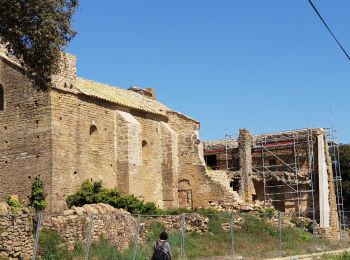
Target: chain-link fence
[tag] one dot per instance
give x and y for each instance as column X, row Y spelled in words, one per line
column 119, row 235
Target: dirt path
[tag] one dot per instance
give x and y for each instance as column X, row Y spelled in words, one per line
column 299, row 257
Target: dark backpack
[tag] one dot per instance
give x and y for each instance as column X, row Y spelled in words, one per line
column 159, row 251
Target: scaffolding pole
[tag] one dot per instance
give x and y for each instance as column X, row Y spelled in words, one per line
column 299, row 142
column 337, row 176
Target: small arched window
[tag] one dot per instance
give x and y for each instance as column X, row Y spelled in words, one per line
column 2, row 99
column 93, row 129
column 144, row 143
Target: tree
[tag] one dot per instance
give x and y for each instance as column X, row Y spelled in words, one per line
column 344, row 159
column 38, row 196
column 35, row 32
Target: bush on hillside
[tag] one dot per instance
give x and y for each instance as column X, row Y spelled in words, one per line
column 93, row 192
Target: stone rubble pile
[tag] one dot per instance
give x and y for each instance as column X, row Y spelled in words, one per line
column 235, row 206
column 236, row 223
column 193, row 223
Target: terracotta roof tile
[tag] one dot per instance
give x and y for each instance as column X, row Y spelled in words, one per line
column 120, row 96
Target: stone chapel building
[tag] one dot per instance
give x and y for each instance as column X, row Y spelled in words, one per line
column 84, row 130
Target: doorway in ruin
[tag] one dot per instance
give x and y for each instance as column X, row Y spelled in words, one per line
column 185, row 194
column 211, row 161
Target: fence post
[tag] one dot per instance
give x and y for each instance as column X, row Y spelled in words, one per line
column 183, row 221
column 88, row 242
column 37, row 234
column 280, row 230
column 232, row 236
column 136, row 236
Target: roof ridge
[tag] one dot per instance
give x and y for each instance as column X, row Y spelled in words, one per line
column 120, row 96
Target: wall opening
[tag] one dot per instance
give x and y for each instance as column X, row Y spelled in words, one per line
column 144, row 143
column 2, row 98
column 235, row 184
column 93, row 129
column 212, row 161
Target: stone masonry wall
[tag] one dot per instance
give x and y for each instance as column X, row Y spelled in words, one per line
column 151, row 158
column 25, row 134
column 169, row 164
column 83, row 141
column 245, row 162
column 192, row 174
column 128, row 153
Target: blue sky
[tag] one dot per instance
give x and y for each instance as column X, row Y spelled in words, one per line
column 263, row 65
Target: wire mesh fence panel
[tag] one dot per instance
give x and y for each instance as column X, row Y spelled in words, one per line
column 119, row 235
column 113, row 236
column 149, row 233
column 62, row 236
column 299, row 235
column 256, row 236
column 208, row 235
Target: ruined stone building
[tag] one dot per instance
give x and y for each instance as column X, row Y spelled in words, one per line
column 84, row 130
column 291, row 171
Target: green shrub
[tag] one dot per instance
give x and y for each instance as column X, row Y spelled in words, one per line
column 38, row 196
column 13, row 203
column 102, row 249
column 93, row 192
column 201, row 211
column 255, row 225
column 267, row 213
column 50, row 244
column 304, row 223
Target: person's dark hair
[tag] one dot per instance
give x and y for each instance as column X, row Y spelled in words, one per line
column 163, row 235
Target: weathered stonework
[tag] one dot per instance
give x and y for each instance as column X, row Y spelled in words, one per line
column 292, row 171
column 83, row 130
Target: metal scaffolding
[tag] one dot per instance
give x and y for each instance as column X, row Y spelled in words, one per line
column 332, row 137
column 287, row 178
column 287, row 164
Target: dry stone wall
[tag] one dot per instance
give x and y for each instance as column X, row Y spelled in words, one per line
column 17, row 230
column 16, row 236
column 117, row 226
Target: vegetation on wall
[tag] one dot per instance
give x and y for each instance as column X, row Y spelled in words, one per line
column 35, row 32
column 38, row 196
column 14, row 204
column 93, row 192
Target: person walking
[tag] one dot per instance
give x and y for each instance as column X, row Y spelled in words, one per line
column 161, row 248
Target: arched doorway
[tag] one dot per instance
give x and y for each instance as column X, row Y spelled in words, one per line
column 185, row 194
